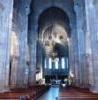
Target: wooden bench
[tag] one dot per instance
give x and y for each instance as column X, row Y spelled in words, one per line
column 31, row 93
column 76, row 94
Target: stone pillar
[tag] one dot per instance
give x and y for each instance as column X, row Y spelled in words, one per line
column 6, row 9
column 32, row 67
column 32, row 42
column 20, row 20
column 92, row 29
column 39, row 55
column 81, row 27
column 73, row 52
column 14, row 58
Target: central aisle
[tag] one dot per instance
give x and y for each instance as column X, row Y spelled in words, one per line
column 52, row 94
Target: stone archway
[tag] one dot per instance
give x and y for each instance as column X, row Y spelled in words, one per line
column 33, row 27
column 53, row 23
column 76, row 54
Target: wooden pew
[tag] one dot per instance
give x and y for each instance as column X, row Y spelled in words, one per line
column 31, row 93
column 73, row 93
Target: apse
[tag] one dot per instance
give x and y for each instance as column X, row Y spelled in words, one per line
column 53, row 35
column 54, row 31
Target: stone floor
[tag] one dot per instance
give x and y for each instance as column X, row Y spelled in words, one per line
column 52, row 94
column 69, row 93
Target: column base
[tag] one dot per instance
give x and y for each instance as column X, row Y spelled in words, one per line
column 94, row 89
column 4, row 90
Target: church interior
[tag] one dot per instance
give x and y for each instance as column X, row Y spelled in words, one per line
column 49, row 49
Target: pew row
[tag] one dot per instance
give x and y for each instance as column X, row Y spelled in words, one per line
column 31, row 93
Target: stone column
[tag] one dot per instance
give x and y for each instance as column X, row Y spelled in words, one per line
column 73, row 52
column 92, row 29
column 20, row 18
column 6, row 9
column 14, row 57
column 39, row 55
column 81, row 27
column 32, row 42
column 32, row 67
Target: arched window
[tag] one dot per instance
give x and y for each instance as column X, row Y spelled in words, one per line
column 45, row 63
column 57, row 63
column 50, row 63
column 63, row 63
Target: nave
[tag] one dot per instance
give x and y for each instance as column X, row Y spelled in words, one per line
column 45, row 42
column 51, row 94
